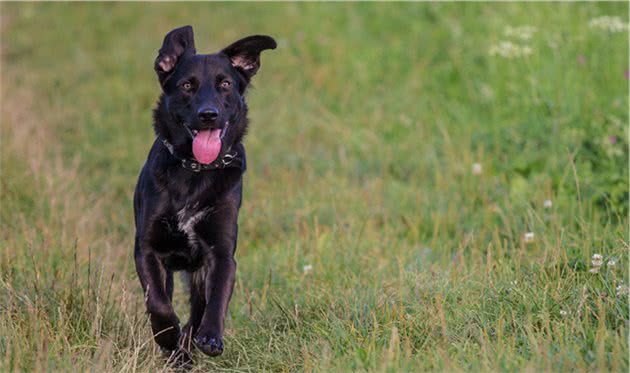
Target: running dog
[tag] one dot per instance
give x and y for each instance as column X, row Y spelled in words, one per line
column 189, row 191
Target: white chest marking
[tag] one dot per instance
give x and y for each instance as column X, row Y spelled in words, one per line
column 186, row 223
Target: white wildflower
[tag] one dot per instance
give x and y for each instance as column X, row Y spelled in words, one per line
column 487, row 92
column 622, row 290
column 521, row 32
column 507, row 49
column 529, row 237
column 612, row 262
column 476, row 168
column 609, row 23
column 547, row 204
column 597, row 260
column 307, row 269
column 563, row 313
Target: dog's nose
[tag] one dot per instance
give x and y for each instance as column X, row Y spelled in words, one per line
column 208, row 115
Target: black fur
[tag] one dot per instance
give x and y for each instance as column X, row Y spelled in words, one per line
column 185, row 220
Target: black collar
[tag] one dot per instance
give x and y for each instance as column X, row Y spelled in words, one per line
column 231, row 159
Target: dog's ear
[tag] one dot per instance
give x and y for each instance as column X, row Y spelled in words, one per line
column 177, row 43
column 245, row 53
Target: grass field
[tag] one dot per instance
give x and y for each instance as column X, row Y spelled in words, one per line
column 427, row 186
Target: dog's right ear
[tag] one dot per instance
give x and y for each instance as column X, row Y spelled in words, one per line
column 177, row 43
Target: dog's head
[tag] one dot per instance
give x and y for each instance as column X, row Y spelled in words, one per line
column 202, row 105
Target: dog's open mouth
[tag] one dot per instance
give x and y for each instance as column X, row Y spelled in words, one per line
column 206, row 145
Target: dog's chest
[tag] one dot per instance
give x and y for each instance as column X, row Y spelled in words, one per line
column 179, row 244
column 188, row 218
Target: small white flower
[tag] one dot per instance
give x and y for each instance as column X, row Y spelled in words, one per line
column 307, row 269
column 597, row 260
column 521, row 32
column 622, row 290
column 547, row 204
column 609, row 23
column 529, row 237
column 486, row 92
column 563, row 313
column 612, row 262
column 476, row 168
column 507, row 49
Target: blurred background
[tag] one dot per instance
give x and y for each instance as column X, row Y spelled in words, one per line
column 430, row 186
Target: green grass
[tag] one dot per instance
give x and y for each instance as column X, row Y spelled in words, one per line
column 366, row 123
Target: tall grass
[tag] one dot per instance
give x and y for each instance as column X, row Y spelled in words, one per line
column 395, row 169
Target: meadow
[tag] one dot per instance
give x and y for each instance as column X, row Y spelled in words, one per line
column 430, row 186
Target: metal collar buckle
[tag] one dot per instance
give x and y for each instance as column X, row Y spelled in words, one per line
column 195, row 167
column 227, row 159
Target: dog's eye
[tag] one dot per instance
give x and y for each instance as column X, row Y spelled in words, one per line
column 187, row 86
column 225, row 84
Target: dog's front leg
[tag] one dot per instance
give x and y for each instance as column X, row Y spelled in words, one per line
column 153, row 277
column 219, row 286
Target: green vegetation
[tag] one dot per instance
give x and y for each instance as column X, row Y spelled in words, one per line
column 398, row 156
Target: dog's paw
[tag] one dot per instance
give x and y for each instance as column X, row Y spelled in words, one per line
column 178, row 359
column 211, row 346
column 167, row 338
column 166, row 331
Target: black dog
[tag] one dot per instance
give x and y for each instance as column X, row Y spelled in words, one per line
column 189, row 191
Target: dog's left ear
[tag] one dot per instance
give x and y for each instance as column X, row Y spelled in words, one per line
column 177, row 43
column 245, row 53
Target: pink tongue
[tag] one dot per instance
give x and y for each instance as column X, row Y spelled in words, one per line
column 207, row 146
